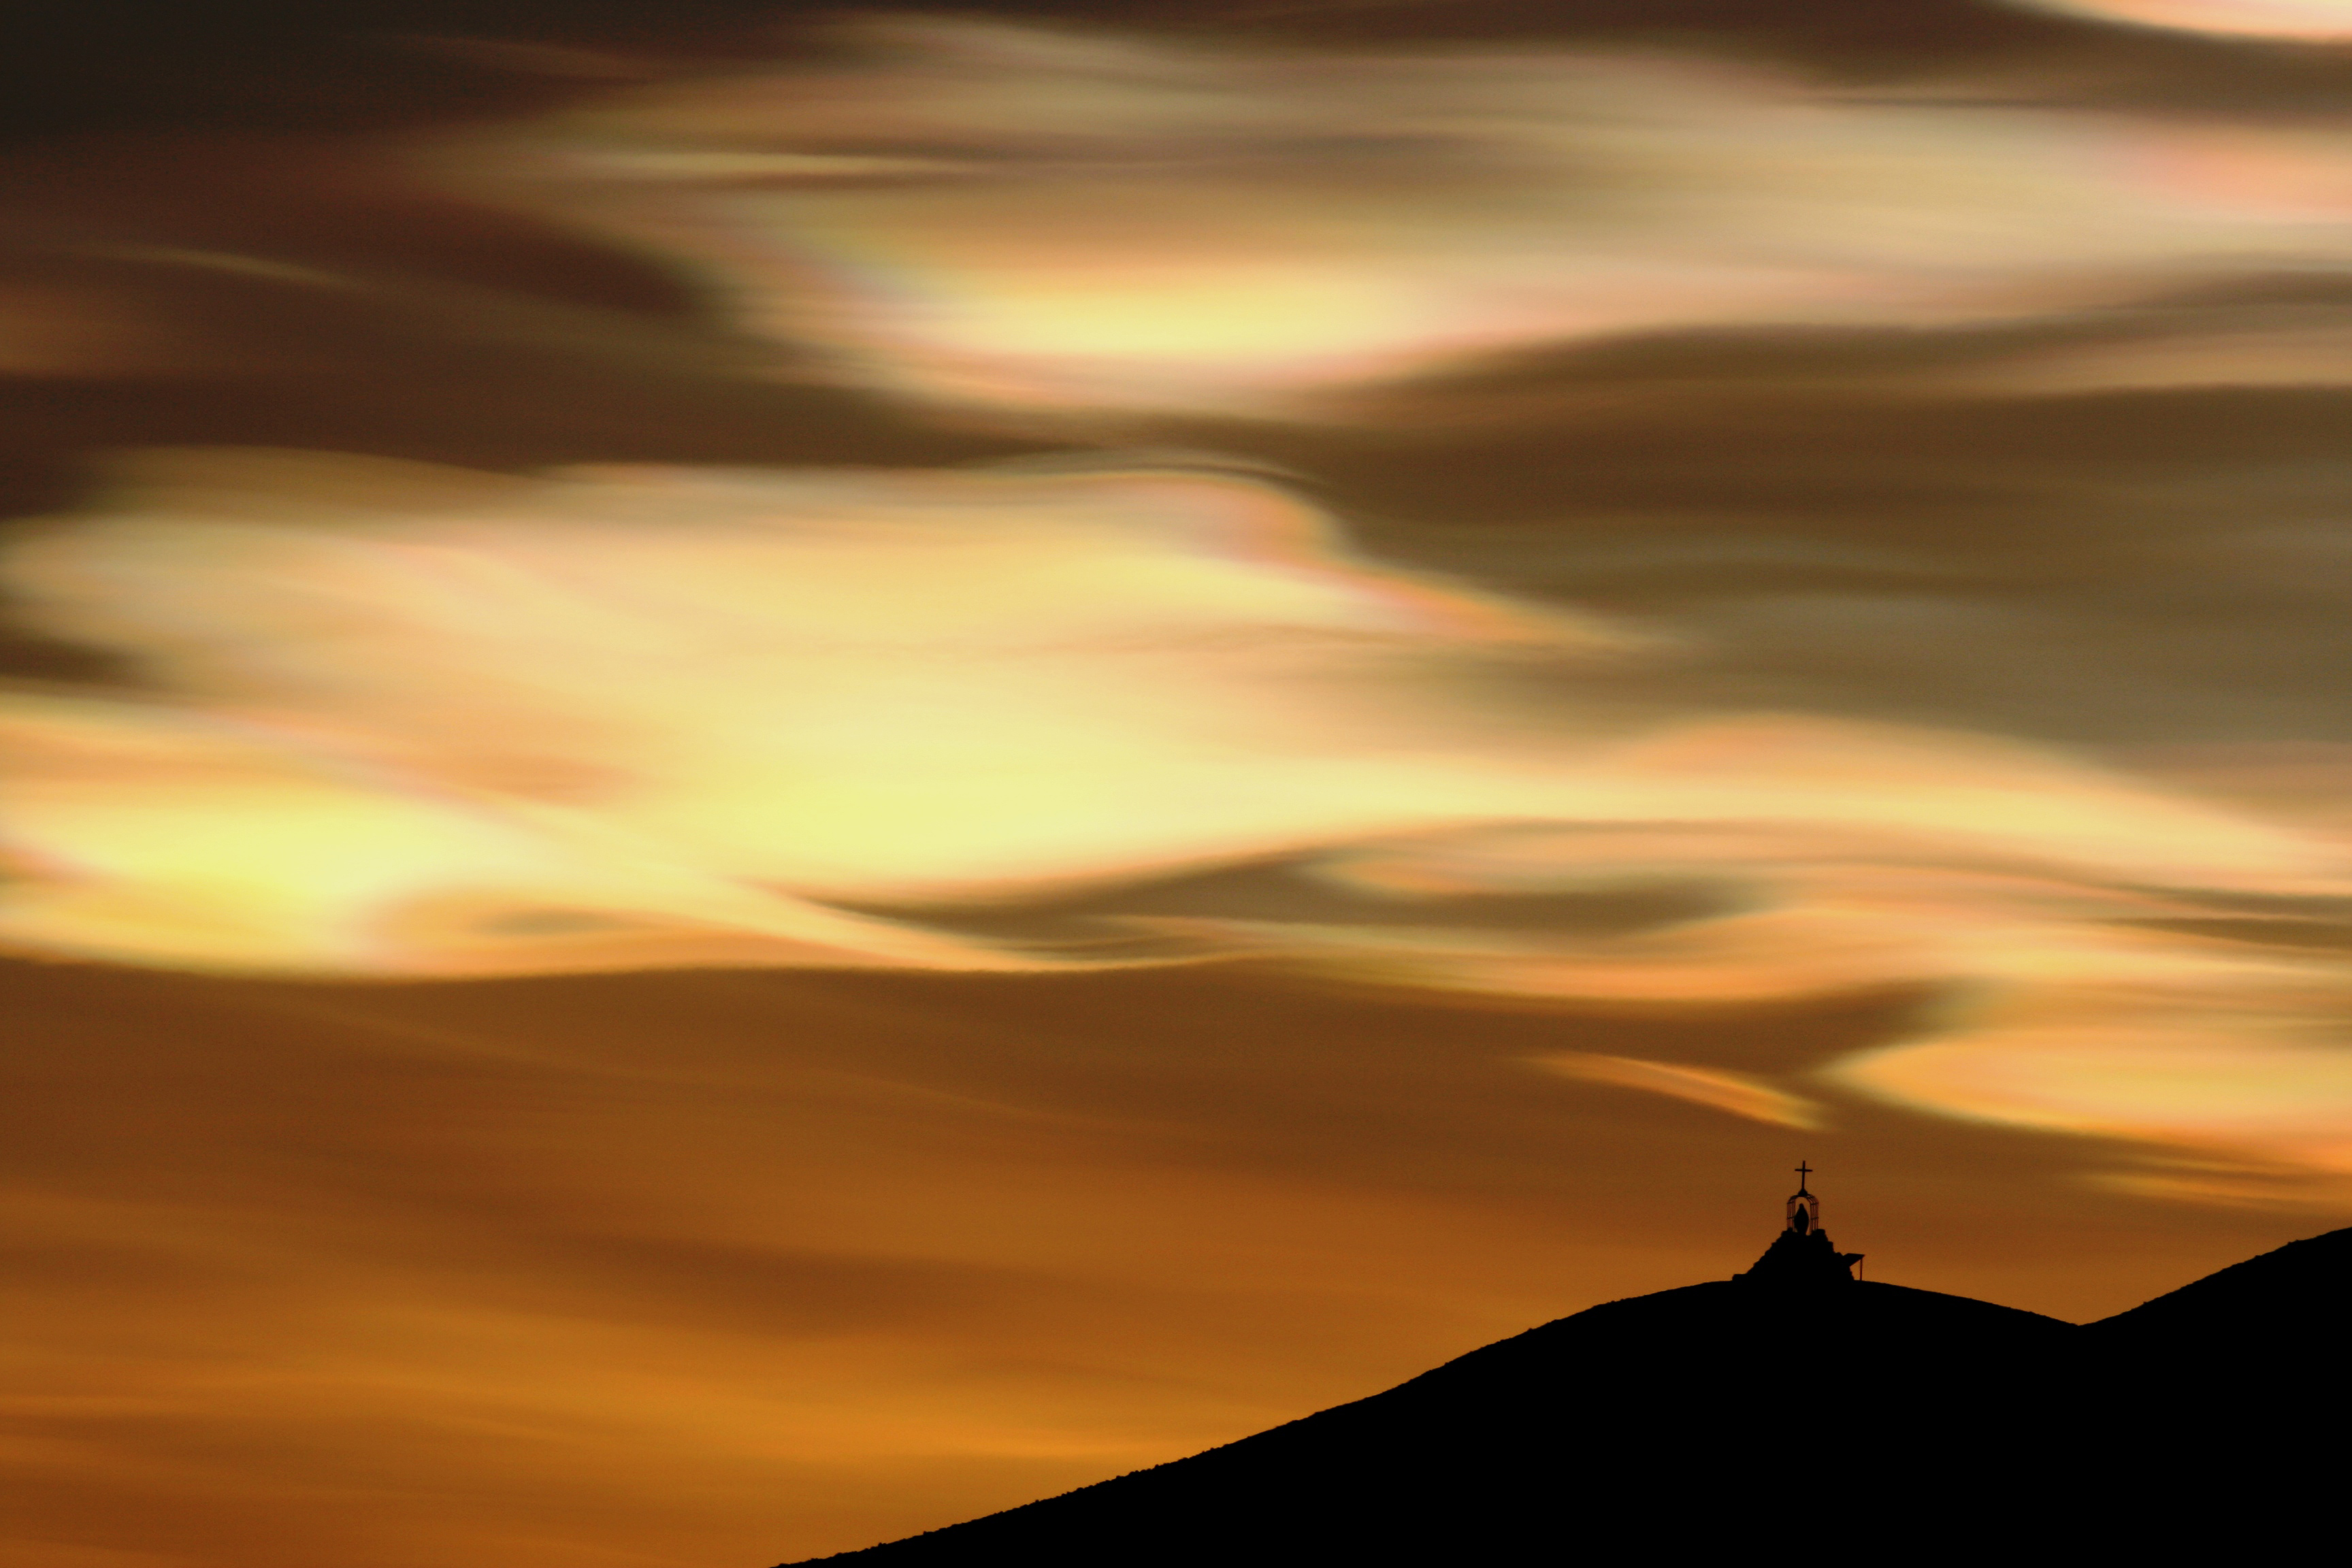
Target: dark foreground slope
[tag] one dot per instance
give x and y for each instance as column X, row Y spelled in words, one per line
column 1721, row 1417
column 1634, row 1405
column 2291, row 1302
column 2239, row 1385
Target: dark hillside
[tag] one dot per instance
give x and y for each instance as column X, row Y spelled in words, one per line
column 2292, row 1301
column 2236, row 1385
column 1716, row 1417
column 1697, row 1406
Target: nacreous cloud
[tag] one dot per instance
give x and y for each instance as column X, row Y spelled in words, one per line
column 415, row 721
column 437, row 722
column 2314, row 20
column 1054, row 220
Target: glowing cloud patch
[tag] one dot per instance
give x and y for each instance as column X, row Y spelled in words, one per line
column 1056, row 220
column 2310, row 20
column 421, row 721
column 433, row 721
column 2233, row 1087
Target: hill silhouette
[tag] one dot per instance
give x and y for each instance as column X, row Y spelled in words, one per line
column 1706, row 1414
column 2287, row 1301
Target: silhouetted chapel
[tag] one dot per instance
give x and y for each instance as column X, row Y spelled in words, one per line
column 1801, row 1253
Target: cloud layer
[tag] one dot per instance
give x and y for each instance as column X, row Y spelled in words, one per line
column 418, row 721
column 1080, row 221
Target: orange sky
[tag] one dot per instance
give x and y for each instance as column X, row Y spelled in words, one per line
column 732, row 1267
column 765, row 784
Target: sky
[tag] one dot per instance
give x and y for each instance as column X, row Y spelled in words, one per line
column 776, row 774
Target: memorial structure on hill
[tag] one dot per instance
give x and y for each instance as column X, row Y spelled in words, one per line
column 1802, row 1253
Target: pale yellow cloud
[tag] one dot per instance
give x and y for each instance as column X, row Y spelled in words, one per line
column 2260, row 1085
column 416, row 722
column 1056, row 219
column 2303, row 20
column 435, row 722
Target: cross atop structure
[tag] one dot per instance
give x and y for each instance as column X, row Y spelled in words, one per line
column 1801, row 1254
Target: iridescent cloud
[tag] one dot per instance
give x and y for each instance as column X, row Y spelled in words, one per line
column 439, row 722
column 2315, row 20
column 1063, row 220
column 421, row 721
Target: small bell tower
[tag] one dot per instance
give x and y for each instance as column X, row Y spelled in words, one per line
column 1802, row 1253
column 1804, row 1209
